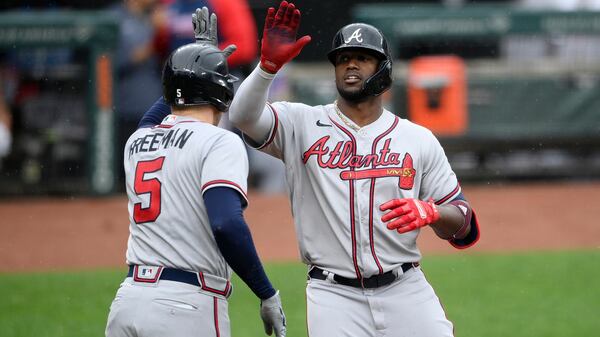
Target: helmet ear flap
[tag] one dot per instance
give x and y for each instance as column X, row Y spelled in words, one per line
column 380, row 81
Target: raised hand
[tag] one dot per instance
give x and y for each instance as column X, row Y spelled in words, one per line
column 205, row 27
column 279, row 44
column 205, row 30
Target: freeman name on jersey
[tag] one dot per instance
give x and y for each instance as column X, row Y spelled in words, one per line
column 154, row 141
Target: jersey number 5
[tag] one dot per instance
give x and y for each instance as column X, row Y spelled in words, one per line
column 143, row 186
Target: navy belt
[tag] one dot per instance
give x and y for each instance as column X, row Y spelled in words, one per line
column 374, row 281
column 177, row 275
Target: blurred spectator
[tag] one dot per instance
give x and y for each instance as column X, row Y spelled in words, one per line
column 137, row 63
column 5, row 127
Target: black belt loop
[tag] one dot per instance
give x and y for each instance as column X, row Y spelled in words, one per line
column 374, row 281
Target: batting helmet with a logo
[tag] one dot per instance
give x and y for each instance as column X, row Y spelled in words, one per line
column 197, row 74
column 365, row 36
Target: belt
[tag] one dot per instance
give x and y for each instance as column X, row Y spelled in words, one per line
column 374, row 281
column 177, row 275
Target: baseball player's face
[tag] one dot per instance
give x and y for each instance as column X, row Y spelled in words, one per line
column 352, row 68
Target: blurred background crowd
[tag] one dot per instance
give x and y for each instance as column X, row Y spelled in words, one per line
column 511, row 88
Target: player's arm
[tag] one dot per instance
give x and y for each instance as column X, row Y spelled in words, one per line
column 248, row 110
column 468, row 233
column 224, row 207
column 442, row 205
column 279, row 45
column 157, row 112
column 454, row 221
column 224, row 175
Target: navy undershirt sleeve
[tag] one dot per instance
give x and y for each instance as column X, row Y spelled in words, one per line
column 157, row 112
column 224, row 207
column 460, row 196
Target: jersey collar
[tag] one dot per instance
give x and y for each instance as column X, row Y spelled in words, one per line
column 382, row 123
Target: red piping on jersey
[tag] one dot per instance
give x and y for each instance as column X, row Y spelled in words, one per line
column 372, row 193
column 216, row 316
column 226, row 182
column 449, row 195
column 351, row 187
column 223, row 292
column 274, row 131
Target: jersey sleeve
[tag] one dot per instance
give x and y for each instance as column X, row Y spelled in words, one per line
column 226, row 165
column 438, row 181
column 282, row 129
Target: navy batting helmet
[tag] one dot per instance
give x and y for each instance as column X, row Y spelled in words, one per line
column 365, row 36
column 197, row 74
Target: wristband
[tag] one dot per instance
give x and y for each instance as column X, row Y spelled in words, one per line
column 465, row 210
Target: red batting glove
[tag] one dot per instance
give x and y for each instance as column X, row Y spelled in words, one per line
column 279, row 44
column 409, row 214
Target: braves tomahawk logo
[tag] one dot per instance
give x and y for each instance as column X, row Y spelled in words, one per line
column 356, row 35
column 407, row 179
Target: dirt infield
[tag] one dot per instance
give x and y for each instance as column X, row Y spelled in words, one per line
column 45, row 234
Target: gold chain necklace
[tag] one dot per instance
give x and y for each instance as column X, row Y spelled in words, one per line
column 344, row 118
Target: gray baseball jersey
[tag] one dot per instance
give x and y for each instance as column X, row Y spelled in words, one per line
column 339, row 174
column 168, row 168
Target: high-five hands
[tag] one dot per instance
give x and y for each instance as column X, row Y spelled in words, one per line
column 408, row 214
column 205, row 29
column 279, row 44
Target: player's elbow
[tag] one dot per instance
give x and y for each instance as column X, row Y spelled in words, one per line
column 228, row 227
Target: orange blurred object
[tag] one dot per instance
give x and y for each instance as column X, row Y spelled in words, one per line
column 437, row 94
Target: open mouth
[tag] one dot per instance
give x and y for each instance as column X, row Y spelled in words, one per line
column 351, row 79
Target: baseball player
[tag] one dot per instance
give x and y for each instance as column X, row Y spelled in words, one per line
column 186, row 184
column 362, row 182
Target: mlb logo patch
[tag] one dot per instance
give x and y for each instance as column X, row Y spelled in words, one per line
column 180, row 101
column 169, row 120
column 147, row 273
